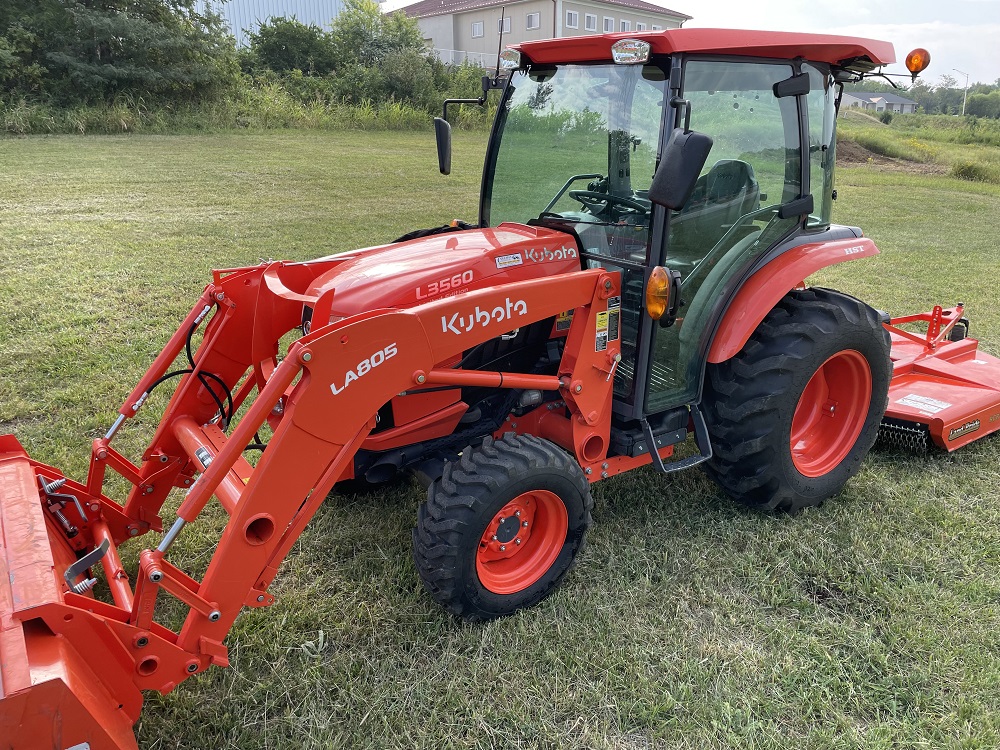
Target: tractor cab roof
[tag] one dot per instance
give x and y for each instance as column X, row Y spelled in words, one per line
column 766, row 44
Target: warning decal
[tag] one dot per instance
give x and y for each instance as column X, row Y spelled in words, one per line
column 923, row 403
column 506, row 261
column 601, row 341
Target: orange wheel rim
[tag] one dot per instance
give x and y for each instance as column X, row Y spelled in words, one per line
column 522, row 542
column 831, row 413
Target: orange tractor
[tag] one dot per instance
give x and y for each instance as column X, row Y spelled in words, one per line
column 650, row 207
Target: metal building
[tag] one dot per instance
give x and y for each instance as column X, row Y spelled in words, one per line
column 244, row 16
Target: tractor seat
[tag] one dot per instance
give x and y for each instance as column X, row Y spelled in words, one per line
column 729, row 179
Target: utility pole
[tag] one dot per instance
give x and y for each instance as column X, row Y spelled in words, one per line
column 965, row 92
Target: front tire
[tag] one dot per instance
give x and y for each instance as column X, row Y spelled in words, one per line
column 501, row 527
column 792, row 415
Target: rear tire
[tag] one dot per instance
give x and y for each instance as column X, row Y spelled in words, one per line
column 501, row 527
column 792, row 415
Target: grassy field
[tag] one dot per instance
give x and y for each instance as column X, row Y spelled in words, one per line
column 871, row 622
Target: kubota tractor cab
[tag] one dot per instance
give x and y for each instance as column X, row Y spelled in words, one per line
column 651, row 207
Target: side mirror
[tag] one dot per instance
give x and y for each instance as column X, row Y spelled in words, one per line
column 683, row 158
column 442, row 132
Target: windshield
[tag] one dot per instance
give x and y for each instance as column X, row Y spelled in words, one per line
column 579, row 142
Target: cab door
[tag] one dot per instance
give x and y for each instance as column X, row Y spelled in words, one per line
column 732, row 216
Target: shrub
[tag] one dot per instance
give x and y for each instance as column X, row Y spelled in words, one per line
column 885, row 116
column 975, row 172
column 285, row 44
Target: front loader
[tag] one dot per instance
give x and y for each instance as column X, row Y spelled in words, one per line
column 651, row 207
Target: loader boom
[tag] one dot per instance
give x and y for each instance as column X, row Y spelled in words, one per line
column 319, row 415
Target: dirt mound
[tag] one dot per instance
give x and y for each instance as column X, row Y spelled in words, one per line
column 850, row 153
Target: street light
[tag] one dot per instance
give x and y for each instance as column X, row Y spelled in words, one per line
column 965, row 92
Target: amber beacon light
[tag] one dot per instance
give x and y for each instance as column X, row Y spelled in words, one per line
column 917, row 61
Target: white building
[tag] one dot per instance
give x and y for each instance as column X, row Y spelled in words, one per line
column 460, row 30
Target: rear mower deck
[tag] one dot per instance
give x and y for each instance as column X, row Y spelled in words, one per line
column 942, row 391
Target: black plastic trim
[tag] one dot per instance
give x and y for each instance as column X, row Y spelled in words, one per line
column 799, row 207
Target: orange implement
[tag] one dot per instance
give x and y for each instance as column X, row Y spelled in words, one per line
column 50, row 693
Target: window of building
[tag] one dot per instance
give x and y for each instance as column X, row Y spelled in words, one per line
column 590, row 22
column 640, row 26
column 625, row 26
column 534, row 20
column 572, row 19
column 609, row 24
column 654, row 27
column 477, row 29
column 506, row 25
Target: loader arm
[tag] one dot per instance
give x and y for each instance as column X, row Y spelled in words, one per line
column 68, row 654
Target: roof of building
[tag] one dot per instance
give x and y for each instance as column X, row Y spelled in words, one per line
column 777, row 44
column 426, row 8
column 872, row 96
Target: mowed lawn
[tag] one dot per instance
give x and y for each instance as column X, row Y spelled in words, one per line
column 873, row 621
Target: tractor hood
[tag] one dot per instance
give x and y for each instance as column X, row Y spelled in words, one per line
column 409, row 273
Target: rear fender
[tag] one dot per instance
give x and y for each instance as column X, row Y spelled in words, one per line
column 762, row 291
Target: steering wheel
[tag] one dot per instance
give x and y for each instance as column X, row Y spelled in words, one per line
column 601, row 201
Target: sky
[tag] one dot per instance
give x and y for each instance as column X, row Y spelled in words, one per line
column 962, row 34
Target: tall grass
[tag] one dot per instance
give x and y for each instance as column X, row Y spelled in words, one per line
column 257, row 105
column 264, row 108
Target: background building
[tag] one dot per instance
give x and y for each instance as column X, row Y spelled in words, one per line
column 248, row 15
column 878, row 102
column 468, row 29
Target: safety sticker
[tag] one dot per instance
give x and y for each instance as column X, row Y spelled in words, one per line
column 601, row 341
column 507, row 261
column 564, row 320
column 923, row 403
column 613, row 318
column 614, row 303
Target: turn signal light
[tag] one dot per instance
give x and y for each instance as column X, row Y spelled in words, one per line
column 658, row 293
column 917, row 61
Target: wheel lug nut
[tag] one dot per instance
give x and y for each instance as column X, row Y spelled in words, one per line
column 524, row 524
column 503, row 547
column 517, row 541
column 517, row 513
column 494, row 537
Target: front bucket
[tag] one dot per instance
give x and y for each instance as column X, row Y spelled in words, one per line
column 51, row 654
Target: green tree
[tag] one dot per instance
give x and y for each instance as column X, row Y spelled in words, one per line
column 92, row 50
column 984, row 105
column 285, row 44
column 363, row 35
